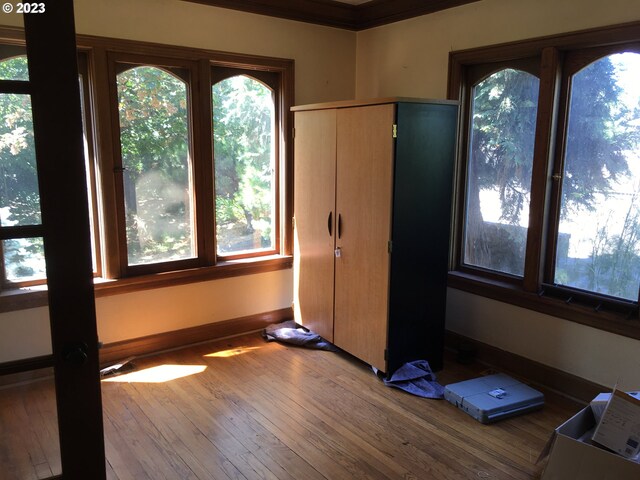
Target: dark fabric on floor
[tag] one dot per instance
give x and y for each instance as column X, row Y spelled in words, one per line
column 416, row 378
column 293, row 334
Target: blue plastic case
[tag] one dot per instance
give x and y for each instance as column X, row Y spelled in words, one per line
column 494, row 397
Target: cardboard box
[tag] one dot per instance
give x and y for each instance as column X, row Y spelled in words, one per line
column 572, row 456
column 619, row 428
column 599, row 403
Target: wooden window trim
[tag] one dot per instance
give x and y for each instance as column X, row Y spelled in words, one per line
column 98, row 47
column 89, row 123
column 36, row 296
column 187, row 71
column 602, row 319
column 531, row 292
column 113, row 282
column 472, row 76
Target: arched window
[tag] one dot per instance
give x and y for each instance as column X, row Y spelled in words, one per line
column 502, row 122
column 245, row 143
column 153, row 107
column 598, row 243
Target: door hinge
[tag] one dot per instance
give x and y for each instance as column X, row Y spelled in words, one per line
column 293, row 132
column 386, row 354
column 293, row 222
column 390, row 246
column 395, row 130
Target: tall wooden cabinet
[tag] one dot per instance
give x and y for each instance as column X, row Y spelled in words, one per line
column 372, row 204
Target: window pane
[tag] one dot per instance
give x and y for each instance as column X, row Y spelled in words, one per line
column 91, row 193
column 501, row 139
column 599, row 231
column 14, row 68
column 24, row 259
column 154, row 136
column 19, row 197
column 244, row 152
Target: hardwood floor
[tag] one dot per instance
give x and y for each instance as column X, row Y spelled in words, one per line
column 268, row 411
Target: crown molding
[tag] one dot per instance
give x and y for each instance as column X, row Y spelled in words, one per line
column 337, row 14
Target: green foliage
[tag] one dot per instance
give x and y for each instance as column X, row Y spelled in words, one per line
column 154, row 123
column 19, row 198
column 14, row 68
column 19, row 185
column 243, row 119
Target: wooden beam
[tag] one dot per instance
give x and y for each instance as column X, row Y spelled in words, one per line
column 338, row 14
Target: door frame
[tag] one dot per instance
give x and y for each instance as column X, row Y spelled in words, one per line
column 57, row 122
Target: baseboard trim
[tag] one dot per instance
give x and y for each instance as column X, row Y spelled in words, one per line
column 150, row 344
column 564, row 383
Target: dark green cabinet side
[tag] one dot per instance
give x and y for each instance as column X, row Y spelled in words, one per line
column 423, row 180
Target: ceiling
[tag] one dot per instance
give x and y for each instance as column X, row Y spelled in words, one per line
column 354, row 2
column 347, row 14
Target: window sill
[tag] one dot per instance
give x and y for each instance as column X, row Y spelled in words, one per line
column 32, row 297
column 609, row 321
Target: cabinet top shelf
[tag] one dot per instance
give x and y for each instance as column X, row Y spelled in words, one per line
column 372, row 101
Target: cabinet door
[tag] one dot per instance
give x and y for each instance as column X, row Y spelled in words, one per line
column 363, row 203
column 314, row 212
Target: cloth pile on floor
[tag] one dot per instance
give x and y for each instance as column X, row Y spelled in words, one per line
column 291, row 333
column 416, row 378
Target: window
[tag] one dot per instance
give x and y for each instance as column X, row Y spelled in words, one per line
column 245, row 145
column 548, row 187
column 502, row 129
column 90, row 164
column 23, row 261
column 197, row 172
column 22, row 252
column 154, row 114
column 187, row 158
column 598, row 241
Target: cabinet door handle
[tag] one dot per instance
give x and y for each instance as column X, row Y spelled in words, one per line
column 330, row 223
column 339, row 225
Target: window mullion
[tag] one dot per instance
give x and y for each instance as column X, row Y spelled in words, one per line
column 205, row 194
column 542, row 154
column 104, row 151
column 112, row 170
column 556, row 172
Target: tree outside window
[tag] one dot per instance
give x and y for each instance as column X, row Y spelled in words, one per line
column 503, row 122
column 155, row 146
column 599, row 231
column 244, row 159
column 19, row 198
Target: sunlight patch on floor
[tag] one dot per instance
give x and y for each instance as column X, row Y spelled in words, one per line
column 159, row 374
column 232, row 352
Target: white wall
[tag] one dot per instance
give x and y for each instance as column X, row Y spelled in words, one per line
column 410, row 58
column 325, row 57
column 324, row 71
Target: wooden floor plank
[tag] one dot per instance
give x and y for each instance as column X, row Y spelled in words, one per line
column 378, row 425
column 275, row 412
column 274, row 454
column 500, row 444
column 262, row 450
